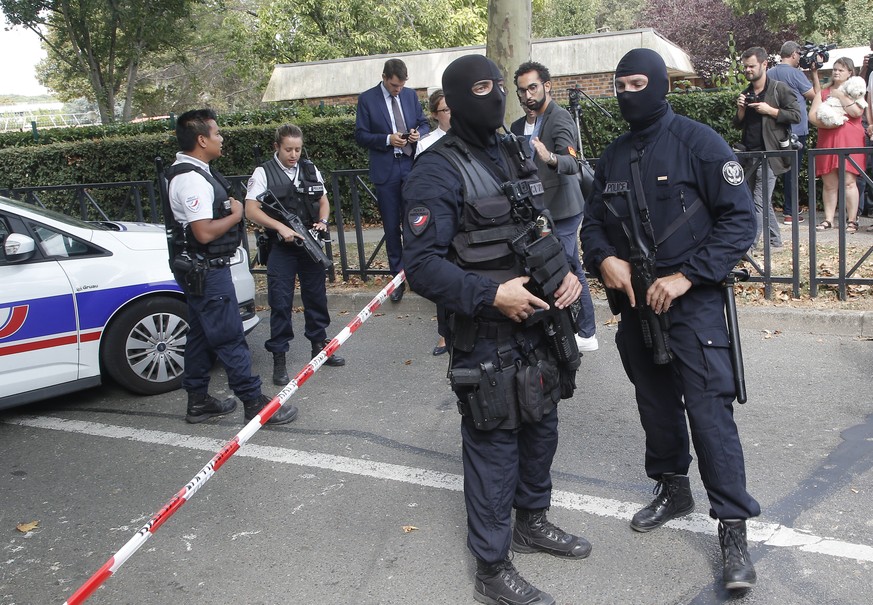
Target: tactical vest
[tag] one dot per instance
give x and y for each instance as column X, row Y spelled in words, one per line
column 302, row 200
column 224, row 245
column 488, row 224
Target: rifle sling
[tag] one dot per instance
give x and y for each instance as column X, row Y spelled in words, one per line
column 644, row 208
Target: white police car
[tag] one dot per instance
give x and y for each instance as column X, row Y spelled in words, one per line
column 80, row 301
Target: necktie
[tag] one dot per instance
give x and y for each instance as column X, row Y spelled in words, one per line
column 401, row 125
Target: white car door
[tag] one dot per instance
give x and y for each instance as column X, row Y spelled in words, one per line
column 39, row 344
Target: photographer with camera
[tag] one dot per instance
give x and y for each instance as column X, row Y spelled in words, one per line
column 848, row 134
column 299, row 187
column 788, row 71
column 766, row 109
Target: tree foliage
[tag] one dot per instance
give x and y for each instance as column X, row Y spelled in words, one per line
column 556, row 18
column 702, row 28
column 858, row 23
column 814, row 19
column 291, row 31
column 99, row 45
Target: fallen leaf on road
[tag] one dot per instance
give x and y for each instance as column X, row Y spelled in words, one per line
column 408, row 362
column 26, row 527
column 408, row 528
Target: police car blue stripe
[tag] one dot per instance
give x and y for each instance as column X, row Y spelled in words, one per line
column 97, row 306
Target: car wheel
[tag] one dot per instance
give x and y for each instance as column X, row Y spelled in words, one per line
column 144, row 346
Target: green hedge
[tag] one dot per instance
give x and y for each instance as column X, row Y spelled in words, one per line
column 329, row 143
column 48, row 136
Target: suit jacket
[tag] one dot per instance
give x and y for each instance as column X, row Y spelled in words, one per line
column 562, row 196
column 373, row 125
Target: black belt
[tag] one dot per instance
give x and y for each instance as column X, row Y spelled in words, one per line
column 221, row 261
column 496, row 330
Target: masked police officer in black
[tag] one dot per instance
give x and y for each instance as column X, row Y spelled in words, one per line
column 299, row 187
column 459, row 252
column 209, row 218
column 685, row 186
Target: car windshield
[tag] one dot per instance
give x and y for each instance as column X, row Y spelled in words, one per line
column 54, row 214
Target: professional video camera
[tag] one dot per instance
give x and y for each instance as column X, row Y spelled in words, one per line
column 810, row 54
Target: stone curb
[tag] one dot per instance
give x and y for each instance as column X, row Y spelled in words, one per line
column 810, row 321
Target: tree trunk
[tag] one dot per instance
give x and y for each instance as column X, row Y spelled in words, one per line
column 508, row 44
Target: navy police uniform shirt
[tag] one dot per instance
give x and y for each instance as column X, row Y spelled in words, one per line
column 433, row 199
column 681, row 161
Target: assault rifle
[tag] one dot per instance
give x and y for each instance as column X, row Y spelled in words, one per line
column 273, row 208
column 655, row 327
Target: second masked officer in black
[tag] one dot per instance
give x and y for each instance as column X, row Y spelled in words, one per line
column 460, row 224
column 694, row 212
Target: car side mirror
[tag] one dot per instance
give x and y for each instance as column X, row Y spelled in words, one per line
column 18, row 247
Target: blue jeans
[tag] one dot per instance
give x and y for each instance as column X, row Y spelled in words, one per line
column 566, row 231
column 789, row 177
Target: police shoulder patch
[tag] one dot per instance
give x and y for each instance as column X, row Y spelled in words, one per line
column 419, row 218
column 733, row 173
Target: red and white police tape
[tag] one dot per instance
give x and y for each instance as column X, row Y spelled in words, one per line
column 230, row 448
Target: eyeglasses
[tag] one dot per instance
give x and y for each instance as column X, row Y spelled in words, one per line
column 530, row 90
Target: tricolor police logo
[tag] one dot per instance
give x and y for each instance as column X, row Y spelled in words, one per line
column 419, row 218
column 733, row 173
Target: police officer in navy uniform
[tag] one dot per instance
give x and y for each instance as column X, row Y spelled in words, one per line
column 299, row 187
column 702, row 220
column 460, row 223
column 209, row 218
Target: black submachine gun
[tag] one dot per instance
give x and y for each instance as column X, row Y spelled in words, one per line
column 655, row 327
column 271, row 205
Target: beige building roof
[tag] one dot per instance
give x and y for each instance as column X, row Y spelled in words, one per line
column 573, row 55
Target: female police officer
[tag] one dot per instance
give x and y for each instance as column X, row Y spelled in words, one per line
column 299, row 187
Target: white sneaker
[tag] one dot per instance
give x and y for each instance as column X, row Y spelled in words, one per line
column 587, row 344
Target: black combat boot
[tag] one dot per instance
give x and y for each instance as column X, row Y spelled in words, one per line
column 535, row 533
column 673, row 499
column 333, row 360
column 501, row 584
column 739, row 573
column 280, row 374
column 286, row 413
column 203, row 406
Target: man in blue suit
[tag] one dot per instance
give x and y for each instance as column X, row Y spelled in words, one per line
column 389, row 123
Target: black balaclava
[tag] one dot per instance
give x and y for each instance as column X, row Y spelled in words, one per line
column 474, row 119
column 641, row 109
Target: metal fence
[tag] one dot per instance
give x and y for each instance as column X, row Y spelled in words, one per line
column 139, row 202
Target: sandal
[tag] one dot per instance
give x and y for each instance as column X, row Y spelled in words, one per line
column 824, row 226
column 852, row 227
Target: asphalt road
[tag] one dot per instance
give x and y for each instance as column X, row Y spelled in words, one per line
column 314, row 511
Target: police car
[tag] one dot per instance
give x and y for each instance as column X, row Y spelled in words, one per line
column 81, row 301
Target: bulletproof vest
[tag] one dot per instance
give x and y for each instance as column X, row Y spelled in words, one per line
column 301, row 200
column 224, row 245
column 488, row 224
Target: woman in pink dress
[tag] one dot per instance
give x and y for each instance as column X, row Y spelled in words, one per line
column 850, row 134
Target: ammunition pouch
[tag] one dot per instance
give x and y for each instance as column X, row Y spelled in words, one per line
column 546, row 263
column 536, row 386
